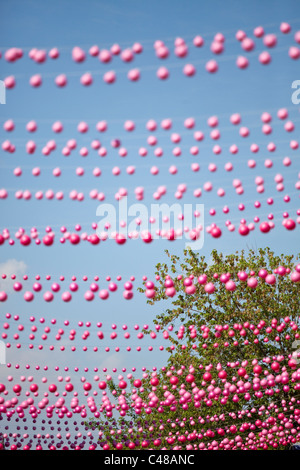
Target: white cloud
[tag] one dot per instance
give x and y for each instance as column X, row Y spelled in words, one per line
column 9, row 267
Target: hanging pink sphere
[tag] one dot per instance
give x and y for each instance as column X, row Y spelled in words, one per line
column 235, row 119
column 66, row 296
column 248, row 44
column 10, row 82
column 74, row 238
column 86, row 79
column 216, row 232
column 198, row 41
column 212, row 66
column 103, row 294
column 127, row 55
column 162, row 73
column 290, row 224
column 35, row 81
column 189, row 70
column 105, row 56
column 109, row 77
column 48, row 296
column 53, row 53
column 48, row 240
column 270, row 40
column 25, row 240
column 78, row 55
column 3, row 296
column 264, row 227
column 230, row 285
column 242, row 62
column 209, row 288
column 243, row 230
column 270, row 279
column 134, row 75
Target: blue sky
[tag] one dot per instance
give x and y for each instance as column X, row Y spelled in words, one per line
column 28, row 24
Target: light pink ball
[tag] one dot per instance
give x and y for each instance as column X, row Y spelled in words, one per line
column 264, row 58
column 78, row 55
column 162, row 73
column 86, row 79
column 127, row 55
column 248, row 44
column 35, row 81
column 61, row 80
column 242, row 62
column 104, row 56
column 53, row 53
column 134, row 75
column 211, row 66
column 189, row 70
column 109, row 77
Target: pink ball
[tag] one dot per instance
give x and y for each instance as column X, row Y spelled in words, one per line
column 235, row 119
column 212, row 66
column 66, row 296
column 198, row 41
column 40, row 56
column 290, row 224
column 244, row 132
column 270, row 279
column 61, row 80
column 31, row 126
column 162, row 73
column 35, row 81
column 94, row 51
column 294, row 52
column 105, row 56
column 248, row 44
column 78, row 55
column 162, row 52
column 189, row 70
column 270, row 40
column 217, row 47
column 209, row 288
column 243, row 230
column 242, row 62
column 28, row 296
column 264, row 227
column 86, row 79
column 259, row 31
column 103, row 294
column 127, row 55
column 48, row 296
column 115, row 49
column 57, row 127
column 166, row 124
column 10, row 82
column 109, row 77
column 285, row 28
column 137, row 48
column 134, row 75
column 53, row 53
column 240, row 35
column 264, row 58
